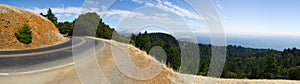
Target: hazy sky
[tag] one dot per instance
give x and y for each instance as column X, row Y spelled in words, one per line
column 253, row 17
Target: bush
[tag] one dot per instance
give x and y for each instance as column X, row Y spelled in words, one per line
column 231, row 75
column 295, row 73
column 24, row 34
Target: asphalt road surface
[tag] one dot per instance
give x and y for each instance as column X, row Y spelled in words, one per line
column 42, row 59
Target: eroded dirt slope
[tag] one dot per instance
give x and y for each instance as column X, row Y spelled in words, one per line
column 44, row 32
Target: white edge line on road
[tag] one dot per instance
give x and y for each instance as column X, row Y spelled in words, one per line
column 38, row 53
column 47, row 69
column 36, row 71
column 67, row 39
column 104, row 44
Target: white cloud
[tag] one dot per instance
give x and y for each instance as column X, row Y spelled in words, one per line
column 138, row 1
column 169, row 7
column 218, row 4
column 62, row 12
column 65, row 13
column 119, row 14
column 163, row 5
column 75, row 11
column 124, row 13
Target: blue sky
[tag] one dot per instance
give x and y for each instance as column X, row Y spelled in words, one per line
column 240, row 17
column 262, row 16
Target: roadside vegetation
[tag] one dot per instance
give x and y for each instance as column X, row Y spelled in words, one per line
column 241, row 62
column 24, row 34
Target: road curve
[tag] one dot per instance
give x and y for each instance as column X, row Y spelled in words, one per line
column 34, row 60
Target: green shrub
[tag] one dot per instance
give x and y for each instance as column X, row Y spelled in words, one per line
column 24, row 34
column 231, row 75
column 295, row 73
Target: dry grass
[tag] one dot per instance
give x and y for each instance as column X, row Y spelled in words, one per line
column 140, row 59
column 44, row 32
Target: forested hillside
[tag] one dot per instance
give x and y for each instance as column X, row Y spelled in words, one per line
column 240, row 62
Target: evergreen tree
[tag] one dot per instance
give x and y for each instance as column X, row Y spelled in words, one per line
column 86, row 24
column 146, row 42
column 104, row 31
column 133, row 39
column 50, row 16
column 65, row 27
column 24, row 34
column 295, row 73
column 138, row 42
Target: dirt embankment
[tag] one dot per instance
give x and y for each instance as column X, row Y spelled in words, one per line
column 44, row 32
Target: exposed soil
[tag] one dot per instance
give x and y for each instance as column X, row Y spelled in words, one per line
column 44, row 32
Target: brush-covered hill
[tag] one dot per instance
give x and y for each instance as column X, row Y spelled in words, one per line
column 44, row 32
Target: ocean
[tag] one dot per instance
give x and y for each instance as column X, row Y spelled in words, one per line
column 263, row 42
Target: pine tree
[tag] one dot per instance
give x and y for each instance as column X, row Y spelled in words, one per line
column 87, row 24
column 24, row 34
column 133, row 39
column 50, row 16
column 147, row 43
column 173, row 56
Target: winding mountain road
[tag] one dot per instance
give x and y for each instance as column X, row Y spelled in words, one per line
column 20, row 62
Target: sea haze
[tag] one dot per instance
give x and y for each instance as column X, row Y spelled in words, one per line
column 258, row 41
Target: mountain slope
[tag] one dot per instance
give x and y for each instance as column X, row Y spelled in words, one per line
column 44, row 32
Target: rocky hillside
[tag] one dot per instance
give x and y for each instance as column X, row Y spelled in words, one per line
column 44, row 32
